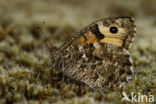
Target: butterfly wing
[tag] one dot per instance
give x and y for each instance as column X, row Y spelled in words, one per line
column 98, row 55
column 99, row 65
column 100, row 31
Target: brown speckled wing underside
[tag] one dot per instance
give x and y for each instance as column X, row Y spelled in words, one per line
column 98, row 55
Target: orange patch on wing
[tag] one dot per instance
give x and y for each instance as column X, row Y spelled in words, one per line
column 81, row 40
column 87, row 38
column 92, row 39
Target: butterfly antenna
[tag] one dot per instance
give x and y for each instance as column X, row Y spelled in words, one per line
column 50, row 46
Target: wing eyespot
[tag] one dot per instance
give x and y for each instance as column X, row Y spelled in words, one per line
column 113, row 29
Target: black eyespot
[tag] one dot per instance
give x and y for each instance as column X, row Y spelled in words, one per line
column 113, row 29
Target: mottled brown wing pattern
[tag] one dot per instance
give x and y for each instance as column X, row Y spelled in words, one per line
column 105, row 67
column 98, row 55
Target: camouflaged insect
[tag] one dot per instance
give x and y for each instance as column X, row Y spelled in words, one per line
column 98, row 54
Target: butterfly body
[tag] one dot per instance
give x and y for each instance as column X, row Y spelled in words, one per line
column 98, row 55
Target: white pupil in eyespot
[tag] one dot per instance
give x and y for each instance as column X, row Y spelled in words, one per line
column 113, row 29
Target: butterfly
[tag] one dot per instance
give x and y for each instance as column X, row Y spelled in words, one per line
column 98, row 54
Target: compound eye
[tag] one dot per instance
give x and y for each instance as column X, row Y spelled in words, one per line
column 113, row 29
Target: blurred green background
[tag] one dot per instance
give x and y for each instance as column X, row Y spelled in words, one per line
column 25, row 75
